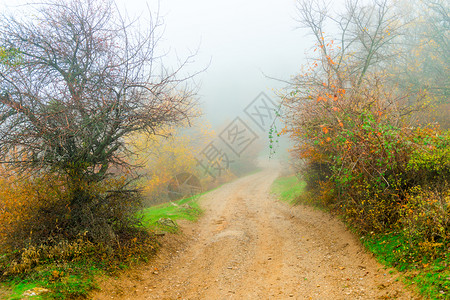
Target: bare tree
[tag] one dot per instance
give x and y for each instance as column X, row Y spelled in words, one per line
column 363, row 35
column 428, row 49
column 76, row 77
column 344, row 78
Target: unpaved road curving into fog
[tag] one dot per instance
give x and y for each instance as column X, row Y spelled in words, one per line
column 250, row 246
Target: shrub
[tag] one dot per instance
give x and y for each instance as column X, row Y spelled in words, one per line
column 430, row 160
column 425, row 219
column 55, row 209
column 41, row 223
column 50, row 252
column 368, row 155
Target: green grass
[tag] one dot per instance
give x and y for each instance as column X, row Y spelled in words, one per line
column 186, row 209
column 72, row 280
column 288, row 188
column 431, row 275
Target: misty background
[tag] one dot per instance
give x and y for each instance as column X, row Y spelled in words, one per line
column 238, row 48
column 238, row 42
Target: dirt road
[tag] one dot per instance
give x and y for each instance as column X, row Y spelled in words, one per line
column 250, row 246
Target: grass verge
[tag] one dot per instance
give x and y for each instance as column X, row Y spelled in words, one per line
column 430, row 274
column 71, row 280
column 186, row 209
column 288, row 188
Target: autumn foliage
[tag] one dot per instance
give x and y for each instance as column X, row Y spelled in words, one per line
column 40, row 224
column 366, row 147
column 166, row 154
column 77, row 79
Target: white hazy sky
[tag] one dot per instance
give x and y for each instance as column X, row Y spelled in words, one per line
column 242, row 39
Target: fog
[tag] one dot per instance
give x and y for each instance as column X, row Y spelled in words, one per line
column 238, row 48
column 240, row 43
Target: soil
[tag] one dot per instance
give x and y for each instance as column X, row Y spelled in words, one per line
column 248, row 245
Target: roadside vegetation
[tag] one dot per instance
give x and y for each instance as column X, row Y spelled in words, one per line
column 164, row 216
column 92, row 131
column 369, row 120
column 288, row 188
column 70, row 270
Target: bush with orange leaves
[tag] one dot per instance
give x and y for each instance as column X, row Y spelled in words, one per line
column 355, row 126
column 365, row 155
column 357, row 139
